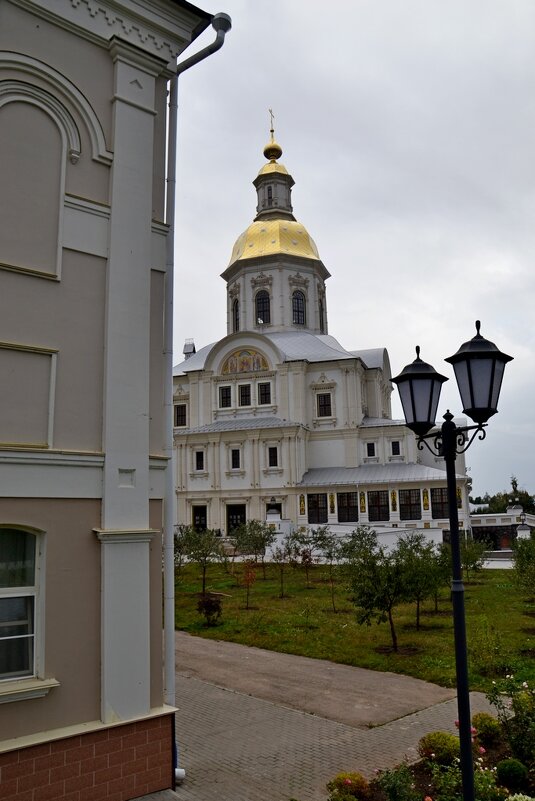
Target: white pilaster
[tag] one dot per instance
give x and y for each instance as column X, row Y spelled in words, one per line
column 125, row 661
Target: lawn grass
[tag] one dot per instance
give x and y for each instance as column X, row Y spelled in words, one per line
column 500, row 624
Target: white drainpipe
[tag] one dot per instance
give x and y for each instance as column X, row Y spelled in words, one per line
column 221, row 24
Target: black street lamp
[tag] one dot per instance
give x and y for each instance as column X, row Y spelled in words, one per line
column 479, row 367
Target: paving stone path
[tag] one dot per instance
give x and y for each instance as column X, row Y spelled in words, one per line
column 237, row 747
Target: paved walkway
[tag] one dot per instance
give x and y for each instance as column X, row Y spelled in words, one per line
column 238, row 745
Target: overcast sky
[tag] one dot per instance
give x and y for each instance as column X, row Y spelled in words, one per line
column 409, row 129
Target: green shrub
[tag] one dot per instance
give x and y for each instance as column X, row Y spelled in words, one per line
column 512, row 774
column 488, row 728
column 347, row 786
column 398, row 784
column 210, row 606
column 512, row 695
column 439, row 746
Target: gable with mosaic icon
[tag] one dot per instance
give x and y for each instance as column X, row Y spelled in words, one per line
column 244, row 361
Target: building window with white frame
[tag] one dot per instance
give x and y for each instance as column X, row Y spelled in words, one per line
column 264, row 393
column 225, row 398
column 395, row 447
column 181, row 415
column 18, row 598
column 324, row 404
column 244, row 394
column 370, row 450
column 235, row 315
column 317, row 507
column 235, row 458
column 378, row 509
column 199, row 460
column 263, row 308
column 273, row 456
column 410, row 505
column 299, row 308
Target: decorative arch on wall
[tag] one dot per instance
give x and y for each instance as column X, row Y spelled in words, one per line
column 244, row 360
column 18, row 91
column 62, row 90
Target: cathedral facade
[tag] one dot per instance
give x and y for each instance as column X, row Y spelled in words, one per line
column 278, row 420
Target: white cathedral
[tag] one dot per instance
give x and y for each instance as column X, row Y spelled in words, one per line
column 278, row 421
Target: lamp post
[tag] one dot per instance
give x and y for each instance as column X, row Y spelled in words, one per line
column 479, row 367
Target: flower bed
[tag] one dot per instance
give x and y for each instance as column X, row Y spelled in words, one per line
column 504, row 758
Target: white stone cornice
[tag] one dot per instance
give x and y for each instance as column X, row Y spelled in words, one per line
column 161, row 29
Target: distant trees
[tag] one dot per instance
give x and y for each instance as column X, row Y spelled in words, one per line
column 501, row 500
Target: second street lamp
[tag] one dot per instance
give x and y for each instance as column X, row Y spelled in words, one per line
column 479, row 368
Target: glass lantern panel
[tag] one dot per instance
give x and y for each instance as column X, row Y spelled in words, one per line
column 497, row 385
column 481, row 383
column 405, row 396
column 423, row 399
column 463, row 382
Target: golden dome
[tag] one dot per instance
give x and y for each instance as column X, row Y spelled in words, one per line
column 270, row 237
column 273, row 166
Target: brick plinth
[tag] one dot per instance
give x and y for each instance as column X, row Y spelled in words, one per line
column 114, row 764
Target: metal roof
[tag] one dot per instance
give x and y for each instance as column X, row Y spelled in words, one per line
column 240, row 424
column 371, row 474
column 295, row 346
column 374, row 422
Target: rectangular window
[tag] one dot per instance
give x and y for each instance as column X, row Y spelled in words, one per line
column 224, row 398
column 396, row 448
column 378, row 505
column 439, row 503
column 324, row 404
column 264, row 394
column 235, row 458
column 180, row 414
column 370, row 449
column 244, row 393
column 410, row 507
column 17, row 603
column 348, row 507
column 199, row 460
column 273, row 457
column 317, row 507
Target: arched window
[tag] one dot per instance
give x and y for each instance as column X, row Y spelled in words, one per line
column 322, row 317
column 299, row 308
column 17, row 603
column 270, row 195
column 236, row 316
column 262, row 307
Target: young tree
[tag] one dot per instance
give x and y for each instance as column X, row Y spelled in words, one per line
column 248, row 578
column 281, row 555
column 203, row 548
column 472, row 555
column 254, row 538
column 330, row 549
column 441, row 570
column 304, row 547
column 377, row 579
column 418, row 557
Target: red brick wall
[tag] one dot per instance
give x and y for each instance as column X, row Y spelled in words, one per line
column 114, row 764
